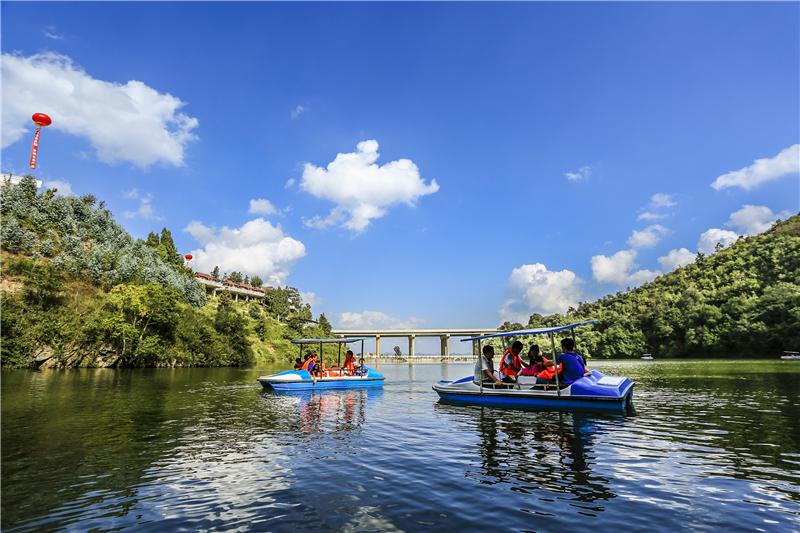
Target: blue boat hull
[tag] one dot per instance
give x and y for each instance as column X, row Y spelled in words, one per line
column 325, row 385
column 506, row 402
column 594, row 392
column 300, row 380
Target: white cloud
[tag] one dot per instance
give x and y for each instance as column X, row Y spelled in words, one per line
column 650, row 216
column 290, row 183
column 579, row 175
column 535, row 289
column 297, row 111
column 145, row 209
column 648, row 237
column 661, row 199
column 255, row 248
column 676, row 258
column 752, row 219
column 64, row 187
column 619, row 269
column 310, row 298
column 375, row 320
column 361, row 189
column 51, row 33
column 261, row 206
column 655, row 209
column 711, row 237
column 131, row 122
column 762, row 170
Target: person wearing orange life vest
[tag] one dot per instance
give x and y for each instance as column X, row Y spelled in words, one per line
column 350, row 363
column 511, row 363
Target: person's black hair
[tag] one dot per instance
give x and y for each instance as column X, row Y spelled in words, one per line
column 517, row 347
column 307, row 356
column 349, row 352
column 488, row 350
column 534, row 357
column 568, row 344
column 297, row 360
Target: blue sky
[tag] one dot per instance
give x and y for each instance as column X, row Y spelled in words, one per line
column 496, row 103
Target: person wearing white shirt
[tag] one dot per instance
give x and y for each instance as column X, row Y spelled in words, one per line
column 484, row 367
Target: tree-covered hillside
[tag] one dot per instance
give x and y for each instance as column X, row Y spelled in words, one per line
column 743, row 300
column 78, row 290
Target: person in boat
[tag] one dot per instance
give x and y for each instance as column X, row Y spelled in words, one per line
column 573, row 364
column 538, row 364
column 318, row 367
column 512, row 363
column 484, row 367
column 307, row 363
column 298, row 364
column 350, row 363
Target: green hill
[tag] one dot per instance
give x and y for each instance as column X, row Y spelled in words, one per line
column 743, row 300
column 78, row 290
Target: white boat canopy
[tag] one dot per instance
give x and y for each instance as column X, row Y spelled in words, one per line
column 535, row 331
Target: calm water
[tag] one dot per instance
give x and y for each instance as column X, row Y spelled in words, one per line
column 711, row 446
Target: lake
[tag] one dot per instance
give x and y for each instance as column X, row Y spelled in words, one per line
column 711, row 446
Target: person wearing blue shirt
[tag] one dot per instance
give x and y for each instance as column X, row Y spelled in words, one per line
column 574, row 367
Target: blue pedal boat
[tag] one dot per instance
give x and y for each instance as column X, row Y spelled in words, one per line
column 332, row 378
column 595, row 391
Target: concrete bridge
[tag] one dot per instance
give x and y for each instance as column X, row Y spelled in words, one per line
column 412, row 334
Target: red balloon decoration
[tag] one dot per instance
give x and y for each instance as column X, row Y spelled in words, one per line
column 188, row 257
column 41, row 120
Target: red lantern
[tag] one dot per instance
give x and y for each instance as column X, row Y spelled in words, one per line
column 41, row 120
column 188, row 257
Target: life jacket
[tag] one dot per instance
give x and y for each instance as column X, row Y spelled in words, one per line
column 349, row 366
column 514, row 367
column 307, row 363
column 549, row 372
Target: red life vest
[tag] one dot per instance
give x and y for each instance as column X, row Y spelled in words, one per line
column 549, row 373
column 514, row 367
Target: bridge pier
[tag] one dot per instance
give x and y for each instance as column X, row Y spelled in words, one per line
column 411, row 339
column 444, row 341
column 377, row 345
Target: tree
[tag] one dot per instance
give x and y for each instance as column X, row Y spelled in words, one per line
column 397, row 351
column 138, row 320
column 233, row 326
column 247, row 280
column 152, row 240
column 215, row 273
column 324, row 325
column 167, row 250
column 256, row 281
column 235, row 277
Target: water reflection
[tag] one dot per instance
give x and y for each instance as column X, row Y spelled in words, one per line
column 321, row 411
column 534, row 451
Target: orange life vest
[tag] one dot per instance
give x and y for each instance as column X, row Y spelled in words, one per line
column 549, row 373
column 514, row 367
column 349, row 366
column 306, row 363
